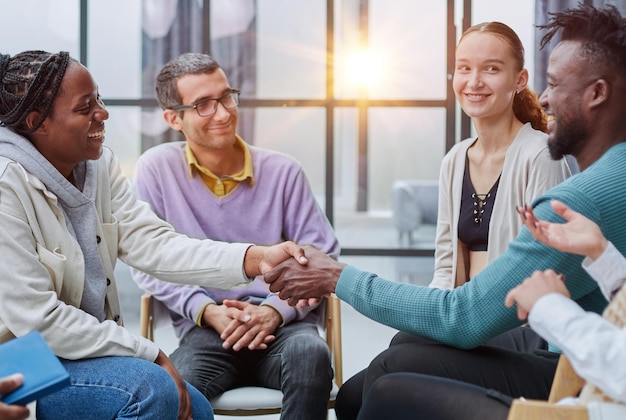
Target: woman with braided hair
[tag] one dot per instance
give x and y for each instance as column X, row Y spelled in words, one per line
column 67, row 213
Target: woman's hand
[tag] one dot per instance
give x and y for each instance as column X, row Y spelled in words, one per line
column 261, row 259
column 539, row 284
column 578, row 235
column 12, row 411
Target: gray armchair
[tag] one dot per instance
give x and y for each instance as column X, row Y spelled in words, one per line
column 414, row 205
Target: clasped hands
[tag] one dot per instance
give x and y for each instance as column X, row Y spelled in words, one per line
column 243, row 324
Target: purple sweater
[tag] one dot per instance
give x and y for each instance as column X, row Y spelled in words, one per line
column 279, row 206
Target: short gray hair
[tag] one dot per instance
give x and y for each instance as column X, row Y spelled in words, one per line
column 167, row 79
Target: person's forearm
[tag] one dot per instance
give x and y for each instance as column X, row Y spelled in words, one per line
column 466, row 316
column 609, row 270
column 420, row 310
column 252, row 260
column 593, row 345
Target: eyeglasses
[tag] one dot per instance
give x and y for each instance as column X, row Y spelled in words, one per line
column 208, row 107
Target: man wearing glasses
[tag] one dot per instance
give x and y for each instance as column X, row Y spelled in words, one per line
column 215, row 185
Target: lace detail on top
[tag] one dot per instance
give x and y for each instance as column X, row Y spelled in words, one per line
column 475, row 215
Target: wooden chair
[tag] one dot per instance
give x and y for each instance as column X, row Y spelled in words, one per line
column 566, row 384
column 252, row 400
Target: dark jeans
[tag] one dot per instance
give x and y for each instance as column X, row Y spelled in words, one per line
column 515, row 363
column 411, row 396
column 297, row 363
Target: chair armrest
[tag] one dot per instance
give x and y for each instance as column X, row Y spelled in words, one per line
column 543, row 410
column 333, row 335
column 566, row 381
column 146, row 316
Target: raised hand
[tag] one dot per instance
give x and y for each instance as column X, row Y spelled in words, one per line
column 578, row 235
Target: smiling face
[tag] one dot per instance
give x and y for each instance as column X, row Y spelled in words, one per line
column 74, row 130
column 567, row 79
column 216, row 131
column 486, row 76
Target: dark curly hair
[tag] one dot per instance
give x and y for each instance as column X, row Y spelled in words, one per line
column 601, row 32
column 29, row 81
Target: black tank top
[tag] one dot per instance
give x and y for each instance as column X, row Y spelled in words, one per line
column 475, row 215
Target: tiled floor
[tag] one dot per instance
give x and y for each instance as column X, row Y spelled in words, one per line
column 362, row 338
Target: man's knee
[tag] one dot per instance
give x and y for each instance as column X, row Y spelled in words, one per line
column 309, row 355
column 309, row 347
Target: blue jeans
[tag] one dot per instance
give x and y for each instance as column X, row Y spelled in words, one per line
column 297, row 363
column 119, row 388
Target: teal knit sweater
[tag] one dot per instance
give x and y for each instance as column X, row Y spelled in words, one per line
column 467, row 316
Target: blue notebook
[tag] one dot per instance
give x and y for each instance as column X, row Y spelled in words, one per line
column 42, row 370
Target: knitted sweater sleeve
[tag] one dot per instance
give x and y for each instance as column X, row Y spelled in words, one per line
column 185, row 300
column 468, row 315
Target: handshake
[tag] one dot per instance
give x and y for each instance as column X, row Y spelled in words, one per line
column 296, row 280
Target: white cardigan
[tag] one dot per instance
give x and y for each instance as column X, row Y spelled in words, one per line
column 43, row 266
column 528, row 172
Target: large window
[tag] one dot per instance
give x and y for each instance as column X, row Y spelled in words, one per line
column 359, row 91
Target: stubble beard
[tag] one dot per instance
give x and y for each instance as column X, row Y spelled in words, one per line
column 569, row 139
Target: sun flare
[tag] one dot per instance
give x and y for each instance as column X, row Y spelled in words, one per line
column 362, row 69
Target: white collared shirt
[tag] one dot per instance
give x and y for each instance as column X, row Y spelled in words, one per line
column 595, row 347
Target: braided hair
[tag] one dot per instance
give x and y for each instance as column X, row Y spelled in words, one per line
column 29, row 81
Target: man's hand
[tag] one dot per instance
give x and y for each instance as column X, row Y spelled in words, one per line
column 12, row 411
column 261, row 259
column 578, row 235
column 303, row 303
column 258, row 329
column 184, row 410
column 294, row 282
column 539, row 284
column 219, row 317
